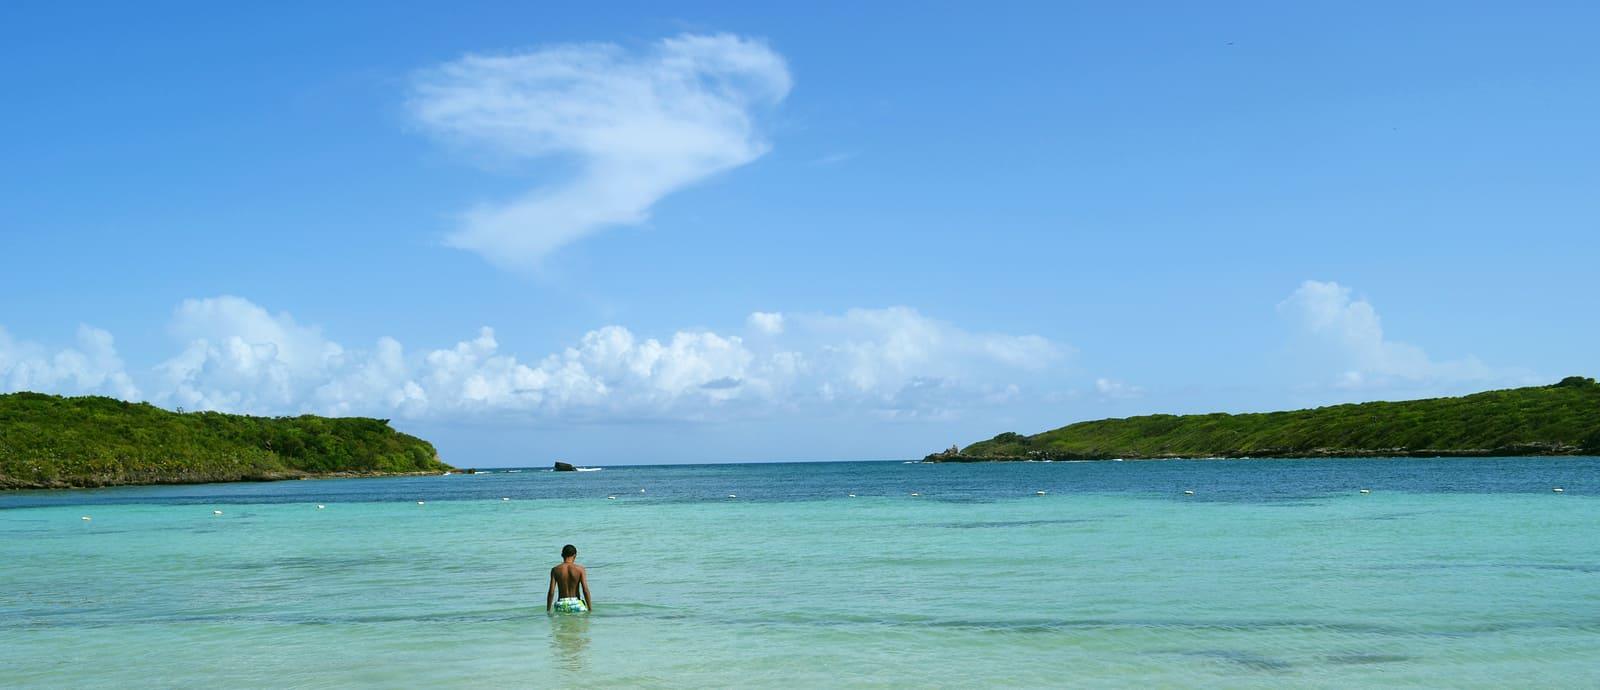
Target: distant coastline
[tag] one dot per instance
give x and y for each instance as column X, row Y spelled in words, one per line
column 1555, row 420
column 8, row 483
column 54, row 442
column 1280, row 454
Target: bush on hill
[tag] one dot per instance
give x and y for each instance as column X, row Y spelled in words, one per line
column 48, row 440
column 1563, row 418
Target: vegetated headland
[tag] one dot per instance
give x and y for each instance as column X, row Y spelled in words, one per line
column 1559, row 419
column 49, row 441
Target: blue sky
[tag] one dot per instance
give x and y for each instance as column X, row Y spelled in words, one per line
column 731, row 232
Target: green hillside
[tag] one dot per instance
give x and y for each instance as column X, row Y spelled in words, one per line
column 48, row 441
column 1560, row 419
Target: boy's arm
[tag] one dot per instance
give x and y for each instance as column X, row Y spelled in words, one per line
column 550, row 594
column 583, row 581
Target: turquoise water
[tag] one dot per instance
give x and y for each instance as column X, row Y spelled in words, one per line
column 1462, row 573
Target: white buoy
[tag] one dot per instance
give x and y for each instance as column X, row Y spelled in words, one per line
column 422, row 503
column 1188, row 492
column 216, row 512
column 1038, row 493
column 915, row 494
column 611, row 498
column 505, row 498
column 641, row 491
column 87, row 518
column 1559, row 490
column 1366, row 491
column 320, row 506
column 852, row 495
column 733, row 495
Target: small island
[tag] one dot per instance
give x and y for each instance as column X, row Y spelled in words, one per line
column 51, row 442
column 1559, row 419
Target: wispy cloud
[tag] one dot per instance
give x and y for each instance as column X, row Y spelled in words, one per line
column 1116, row 390
column 637, row 126
column 834, row 158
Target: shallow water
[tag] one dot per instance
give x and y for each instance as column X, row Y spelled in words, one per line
column 1455, row 572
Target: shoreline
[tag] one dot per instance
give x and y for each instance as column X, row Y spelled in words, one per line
column 14, row 484
column 1532, row 450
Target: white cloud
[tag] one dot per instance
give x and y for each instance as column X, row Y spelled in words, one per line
column 770, row 323
column 91, row 368
column 893, row 354
column 1111, row 388
column 637, row 127
column 893, row 362
column 239, row 357
column 235, row 356
column 1350, row 331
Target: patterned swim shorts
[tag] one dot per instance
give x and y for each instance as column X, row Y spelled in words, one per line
column 571, row 605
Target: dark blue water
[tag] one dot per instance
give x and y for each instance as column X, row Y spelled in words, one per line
column 1211, row 480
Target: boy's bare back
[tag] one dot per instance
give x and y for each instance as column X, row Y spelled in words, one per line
column 569, row 578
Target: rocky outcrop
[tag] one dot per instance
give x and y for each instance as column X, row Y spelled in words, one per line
column 565, row 467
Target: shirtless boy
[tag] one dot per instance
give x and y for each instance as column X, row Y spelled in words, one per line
column 573, row 583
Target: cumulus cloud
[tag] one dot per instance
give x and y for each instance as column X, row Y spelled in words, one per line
column 236, row 356
column 636, row 126
column 91, row 368
column 240, row 357
column 1350, row 331
column 896, row 355
column 892, row 362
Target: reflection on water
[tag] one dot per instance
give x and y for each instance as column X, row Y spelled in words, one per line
column 570, row 633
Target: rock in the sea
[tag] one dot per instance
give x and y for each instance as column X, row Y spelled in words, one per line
column 565, row 467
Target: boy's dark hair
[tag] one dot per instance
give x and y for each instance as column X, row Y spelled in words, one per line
column 569, row 551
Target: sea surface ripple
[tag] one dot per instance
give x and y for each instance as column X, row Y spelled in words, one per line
column 1450, row 572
